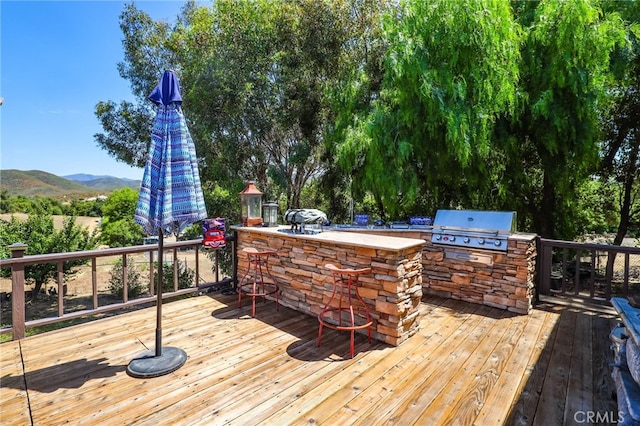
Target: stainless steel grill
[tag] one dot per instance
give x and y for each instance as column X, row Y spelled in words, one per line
column 473, row 228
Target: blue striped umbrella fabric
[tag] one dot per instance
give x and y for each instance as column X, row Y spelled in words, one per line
column 170, row 194
column 170, row 199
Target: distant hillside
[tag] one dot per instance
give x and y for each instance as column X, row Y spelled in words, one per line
column 105, row 183
column 83, row 177
column 38, row 183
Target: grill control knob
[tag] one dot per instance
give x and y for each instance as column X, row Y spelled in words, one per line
column 452, row 238
column 480, row 240
column 497, row 243
column 438, row 237
column 466, row 240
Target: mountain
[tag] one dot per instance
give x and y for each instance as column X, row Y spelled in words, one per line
column 104, row 183
column 38, row 183
column 82, row 177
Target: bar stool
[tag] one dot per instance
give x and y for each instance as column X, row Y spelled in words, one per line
column 345, row 289
column 256, row 286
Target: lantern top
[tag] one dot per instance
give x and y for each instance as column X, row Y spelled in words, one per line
column 250, row 189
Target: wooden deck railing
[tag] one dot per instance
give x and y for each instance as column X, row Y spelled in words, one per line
column 19, row 261
column 588, row 271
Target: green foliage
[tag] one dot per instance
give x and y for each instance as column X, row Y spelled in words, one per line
column 191, row 232
column 135, row 287
column 118, row 229
column 22, row 204
column 566, row 76
column 186, row 276
column 620, row 158
column 425, row 105
column 39, row 233
column 254, row 75
column 92, row 208
column 222, row 203
column 450, row 72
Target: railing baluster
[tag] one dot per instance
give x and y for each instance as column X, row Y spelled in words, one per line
column 61, row 291
column 217, row 260
column 565, row 257
column 125, row 279
column 626, row 274
column 151, row 272
column 592, row 287
column 198, row 267
column 576, row 277
column 609, row 276
column 94, row 282
column 175, row 269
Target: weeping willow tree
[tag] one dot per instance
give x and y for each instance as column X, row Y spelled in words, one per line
column 451, row 68
column 566, row 77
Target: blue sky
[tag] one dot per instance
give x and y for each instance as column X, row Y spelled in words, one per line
column 58, row 60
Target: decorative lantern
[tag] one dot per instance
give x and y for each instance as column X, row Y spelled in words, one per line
column 250, row 205
column 270, row 214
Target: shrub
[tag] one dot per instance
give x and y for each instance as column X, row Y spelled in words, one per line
column 185, row 276
column 135, row 287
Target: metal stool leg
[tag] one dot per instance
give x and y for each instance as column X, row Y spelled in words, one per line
column 256, row 260
column 345, row 283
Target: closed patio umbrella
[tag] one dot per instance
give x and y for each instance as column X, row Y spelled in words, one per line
column 170, row 199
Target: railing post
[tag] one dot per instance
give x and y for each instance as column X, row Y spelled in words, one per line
column 17, row 291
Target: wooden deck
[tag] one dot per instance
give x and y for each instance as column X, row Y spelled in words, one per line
column 468, row 364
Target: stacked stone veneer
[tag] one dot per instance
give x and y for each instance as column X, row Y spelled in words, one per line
column 392, row 291
column 508, row 283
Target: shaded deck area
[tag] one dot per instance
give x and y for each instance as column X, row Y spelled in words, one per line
column 468, row 364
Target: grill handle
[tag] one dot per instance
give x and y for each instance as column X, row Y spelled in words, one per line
column 467, row 230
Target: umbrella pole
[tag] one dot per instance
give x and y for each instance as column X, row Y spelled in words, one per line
column 159, row 293
column 163, row 360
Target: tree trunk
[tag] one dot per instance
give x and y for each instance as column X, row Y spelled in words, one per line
column 544, row 220
column 36, row 291
column 625, row 210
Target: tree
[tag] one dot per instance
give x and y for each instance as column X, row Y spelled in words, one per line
column 358, row 86
column 552, row 145
column 258, row 89
column 254, row 78
column 450, row 71
column 441, row 104
column 117, row 228
column 39, row 233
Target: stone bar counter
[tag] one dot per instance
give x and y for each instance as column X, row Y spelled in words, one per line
column 392, row 290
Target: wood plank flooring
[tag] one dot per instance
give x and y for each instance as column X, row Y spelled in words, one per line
column 467, row 365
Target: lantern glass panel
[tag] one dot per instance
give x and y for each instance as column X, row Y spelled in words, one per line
column 255, row 206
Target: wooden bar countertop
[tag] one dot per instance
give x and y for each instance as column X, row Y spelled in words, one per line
column 335, row 236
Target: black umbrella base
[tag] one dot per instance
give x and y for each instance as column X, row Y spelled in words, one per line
column 149, row 365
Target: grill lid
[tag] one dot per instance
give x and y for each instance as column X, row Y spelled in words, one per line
column 475, row 221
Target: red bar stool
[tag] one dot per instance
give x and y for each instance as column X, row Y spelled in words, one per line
column 253, row 283
column 345, row 290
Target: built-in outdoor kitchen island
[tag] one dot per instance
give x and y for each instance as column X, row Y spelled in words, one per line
column 405, row 263
column 392, row 291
